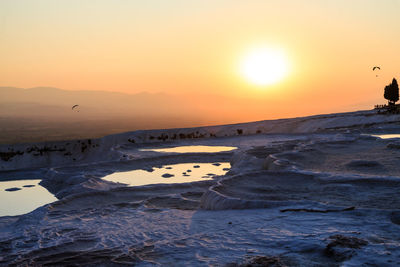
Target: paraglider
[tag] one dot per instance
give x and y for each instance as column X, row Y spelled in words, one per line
column 376, row 68
column 74, row 107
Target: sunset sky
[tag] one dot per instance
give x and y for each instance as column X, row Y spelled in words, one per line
column 198, row 47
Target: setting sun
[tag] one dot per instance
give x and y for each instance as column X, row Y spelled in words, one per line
column 264, row 66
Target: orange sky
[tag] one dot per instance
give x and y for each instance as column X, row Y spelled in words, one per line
column 194, row 47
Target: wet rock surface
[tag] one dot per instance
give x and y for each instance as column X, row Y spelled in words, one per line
column 395, row 217
column 261, row 261
column 343, row 247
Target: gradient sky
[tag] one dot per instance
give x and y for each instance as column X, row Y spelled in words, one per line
column 194, row 47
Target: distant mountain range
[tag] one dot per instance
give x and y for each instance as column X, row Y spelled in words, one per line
column 54, row 102
column 45, row 113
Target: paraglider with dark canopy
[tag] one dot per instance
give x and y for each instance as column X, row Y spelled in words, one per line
column 75, row 107
column 376, row 68
column 392, row 92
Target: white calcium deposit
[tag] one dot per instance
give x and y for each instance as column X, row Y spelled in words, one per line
column 312, row 191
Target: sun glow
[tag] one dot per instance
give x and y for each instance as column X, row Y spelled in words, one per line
column 264, row 66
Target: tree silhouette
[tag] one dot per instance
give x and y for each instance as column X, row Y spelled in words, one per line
column 392, row 92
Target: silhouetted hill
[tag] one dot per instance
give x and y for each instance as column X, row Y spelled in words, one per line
column 44, row 113
column 57, row 102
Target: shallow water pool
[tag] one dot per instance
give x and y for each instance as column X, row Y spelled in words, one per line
column 170, row 174
column 386, row 136
column 22, row 196
column 191, row 149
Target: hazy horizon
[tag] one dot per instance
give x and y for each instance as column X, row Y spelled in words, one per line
column 45, row 114
column 101, row 103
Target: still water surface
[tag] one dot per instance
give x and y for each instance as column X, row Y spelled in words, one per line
column 22, row 196
column 170, row 174
column 191, row 149
column 387, row 136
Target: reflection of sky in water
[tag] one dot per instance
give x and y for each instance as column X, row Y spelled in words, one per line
column 183, row 173
column 192, row 149
column 25, row 200
column 387, row 136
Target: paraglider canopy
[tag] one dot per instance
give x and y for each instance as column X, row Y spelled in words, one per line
column 376, row 68
column 75, row 107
